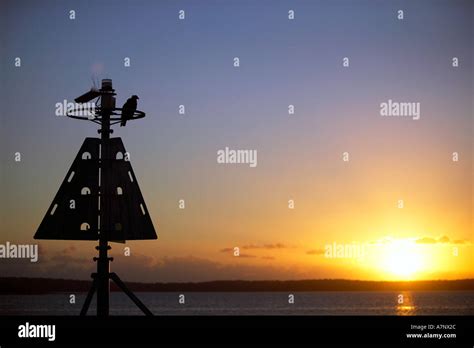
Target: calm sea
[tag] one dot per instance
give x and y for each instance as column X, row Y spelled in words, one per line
column 255, row 303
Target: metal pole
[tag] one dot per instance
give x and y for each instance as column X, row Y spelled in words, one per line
column 103, row 279
column 130, row 294
column 90, row 294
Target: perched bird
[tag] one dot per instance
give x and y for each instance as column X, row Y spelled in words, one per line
column 128, row 109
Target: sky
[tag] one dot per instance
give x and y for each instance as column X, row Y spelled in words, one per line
column 300, row 157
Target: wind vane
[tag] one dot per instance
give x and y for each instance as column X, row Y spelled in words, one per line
column 100, row 198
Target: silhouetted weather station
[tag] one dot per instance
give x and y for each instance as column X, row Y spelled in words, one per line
column 308, row 167
column 99, row 198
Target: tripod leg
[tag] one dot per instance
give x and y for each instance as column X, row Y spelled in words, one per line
column 130, row 294
column 88, row 300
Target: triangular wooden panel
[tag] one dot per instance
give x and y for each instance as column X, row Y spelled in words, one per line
column 126, row 214
column 73, row 214
column 100, row 182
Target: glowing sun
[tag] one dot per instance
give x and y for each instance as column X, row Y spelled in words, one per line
column 402, row 259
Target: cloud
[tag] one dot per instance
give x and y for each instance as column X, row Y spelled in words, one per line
column 275, row 246
column 231, row 250
column 257, row 247
column 443, row 239
column 265, row 246
column 426, row 240
column 315, row 252
column 460, row 241
column 58, row 265
column 70, row 264
column 440, row 240
column 247, row 255
column 423, row 240
column 226, row 250
column 194, row 269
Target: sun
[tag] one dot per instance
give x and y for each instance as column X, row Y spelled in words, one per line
column 402, row 259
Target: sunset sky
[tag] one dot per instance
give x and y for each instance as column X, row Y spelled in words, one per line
column 300, row 156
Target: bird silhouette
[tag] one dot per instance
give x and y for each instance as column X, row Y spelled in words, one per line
column 128, row 109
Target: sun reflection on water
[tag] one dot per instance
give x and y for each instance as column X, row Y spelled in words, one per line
column 405, row 304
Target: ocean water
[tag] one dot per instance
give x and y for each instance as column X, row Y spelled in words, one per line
column 254, row 303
